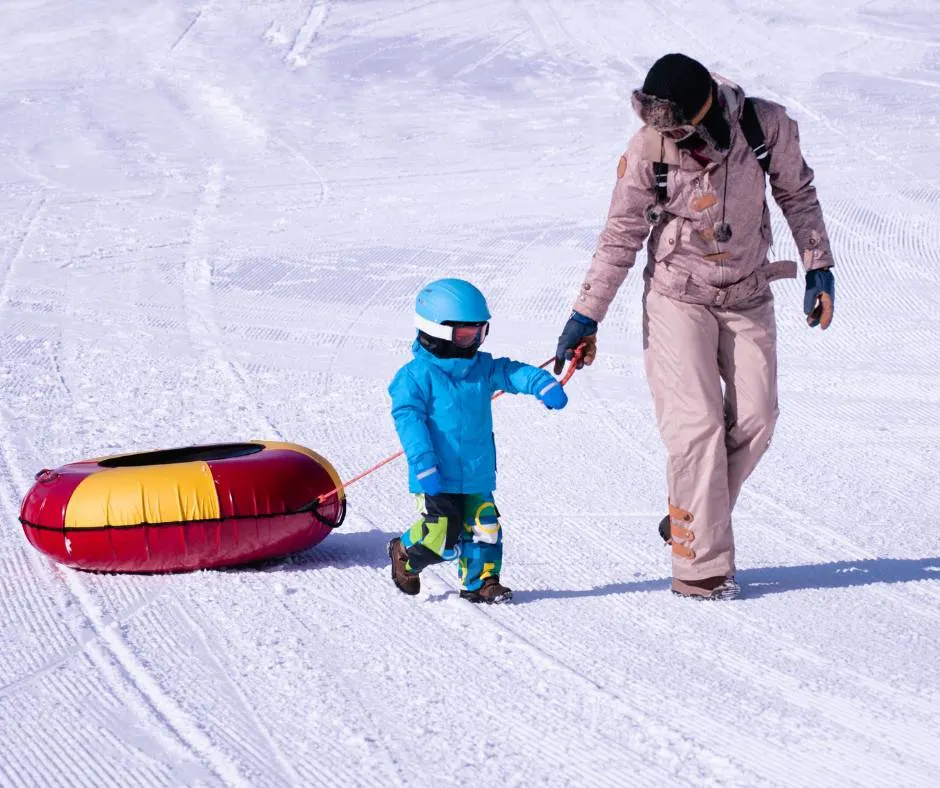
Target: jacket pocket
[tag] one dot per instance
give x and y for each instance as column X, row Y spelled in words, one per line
column 668, row 239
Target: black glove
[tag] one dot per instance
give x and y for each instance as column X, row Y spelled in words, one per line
column 576, row 330
column 820, row 299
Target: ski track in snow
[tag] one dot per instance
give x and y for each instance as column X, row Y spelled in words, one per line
column 186, row 31
column 214, row 230
column 222, row 670
column 133, row 673
column 316, row 16
column 197, row 284
column 22, row 231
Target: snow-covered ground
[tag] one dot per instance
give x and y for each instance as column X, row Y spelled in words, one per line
column 214, row 217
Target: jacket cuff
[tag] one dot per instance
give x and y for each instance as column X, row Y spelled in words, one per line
column 584, row 320
column 816, row 252
column 590, row 306
column 814, row 259
column 423, row 462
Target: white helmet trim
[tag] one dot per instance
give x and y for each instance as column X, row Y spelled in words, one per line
column 434, row 329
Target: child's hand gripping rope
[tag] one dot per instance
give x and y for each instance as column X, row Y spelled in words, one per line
column 553, row 396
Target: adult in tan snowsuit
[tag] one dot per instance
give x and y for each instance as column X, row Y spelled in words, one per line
column 691, row 181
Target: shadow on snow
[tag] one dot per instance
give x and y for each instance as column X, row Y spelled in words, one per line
column 368, row 549
column 778, row 579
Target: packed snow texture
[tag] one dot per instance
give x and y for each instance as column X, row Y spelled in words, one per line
column 214, row 218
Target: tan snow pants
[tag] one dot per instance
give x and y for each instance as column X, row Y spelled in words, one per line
column 714, row 439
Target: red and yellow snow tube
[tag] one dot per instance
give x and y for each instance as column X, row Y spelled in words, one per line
column 181, row 509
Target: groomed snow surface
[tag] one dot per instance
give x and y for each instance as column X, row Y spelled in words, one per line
column 214, row 218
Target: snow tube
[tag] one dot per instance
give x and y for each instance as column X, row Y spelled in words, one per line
column 177, row 510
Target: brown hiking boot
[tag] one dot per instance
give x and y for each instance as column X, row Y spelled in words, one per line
column 716, row 588
column 490, row 593
column 407, row 582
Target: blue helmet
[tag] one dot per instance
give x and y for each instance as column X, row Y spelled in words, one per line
column 452, row 300
column 452, row 317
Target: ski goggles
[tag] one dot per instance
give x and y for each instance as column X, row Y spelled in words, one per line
column 463, row 335
column 469, row 335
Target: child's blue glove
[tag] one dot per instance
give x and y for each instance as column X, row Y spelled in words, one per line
column 430, row 481
column 553, row 396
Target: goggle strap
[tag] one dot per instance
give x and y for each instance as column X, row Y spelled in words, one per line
column 434, row 329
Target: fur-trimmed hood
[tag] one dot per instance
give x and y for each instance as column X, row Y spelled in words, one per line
column 662, row 114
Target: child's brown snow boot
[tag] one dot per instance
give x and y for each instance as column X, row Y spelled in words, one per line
column 490, row 593
column 407, row 582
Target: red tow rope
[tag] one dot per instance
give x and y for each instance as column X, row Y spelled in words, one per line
column 569, row 373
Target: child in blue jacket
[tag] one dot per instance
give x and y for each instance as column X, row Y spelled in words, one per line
column 441, row 406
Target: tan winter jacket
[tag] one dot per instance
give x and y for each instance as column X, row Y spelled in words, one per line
column 685, row 261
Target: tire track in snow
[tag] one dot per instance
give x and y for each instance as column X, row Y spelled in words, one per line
column 363, row 304
column 199, row 633
column 69, row 650
column 26, row 563
column 436, row 62
column 596, row 52
column 185, row 32
column 198, row 269
column 324, row 185
column 21, row 569
column 873, row 34
column 903, row 703
column 837, row 704
column 148, row 692
column 798, row 689
column 321, row 634
column 539, row 29
column 316, row 16
column 51, row 755
column 369, row 614
column 364, row 31
column 852, row 140
column 847, row 713
column 482, row 61
column 197, row 285
column 21, row 235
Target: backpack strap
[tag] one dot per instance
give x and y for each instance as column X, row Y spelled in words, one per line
column 661, row 179
column 754, row 134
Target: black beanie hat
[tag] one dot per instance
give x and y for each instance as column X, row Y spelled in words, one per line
column 681, row 80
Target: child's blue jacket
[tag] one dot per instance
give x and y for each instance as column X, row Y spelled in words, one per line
column 443, row 414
